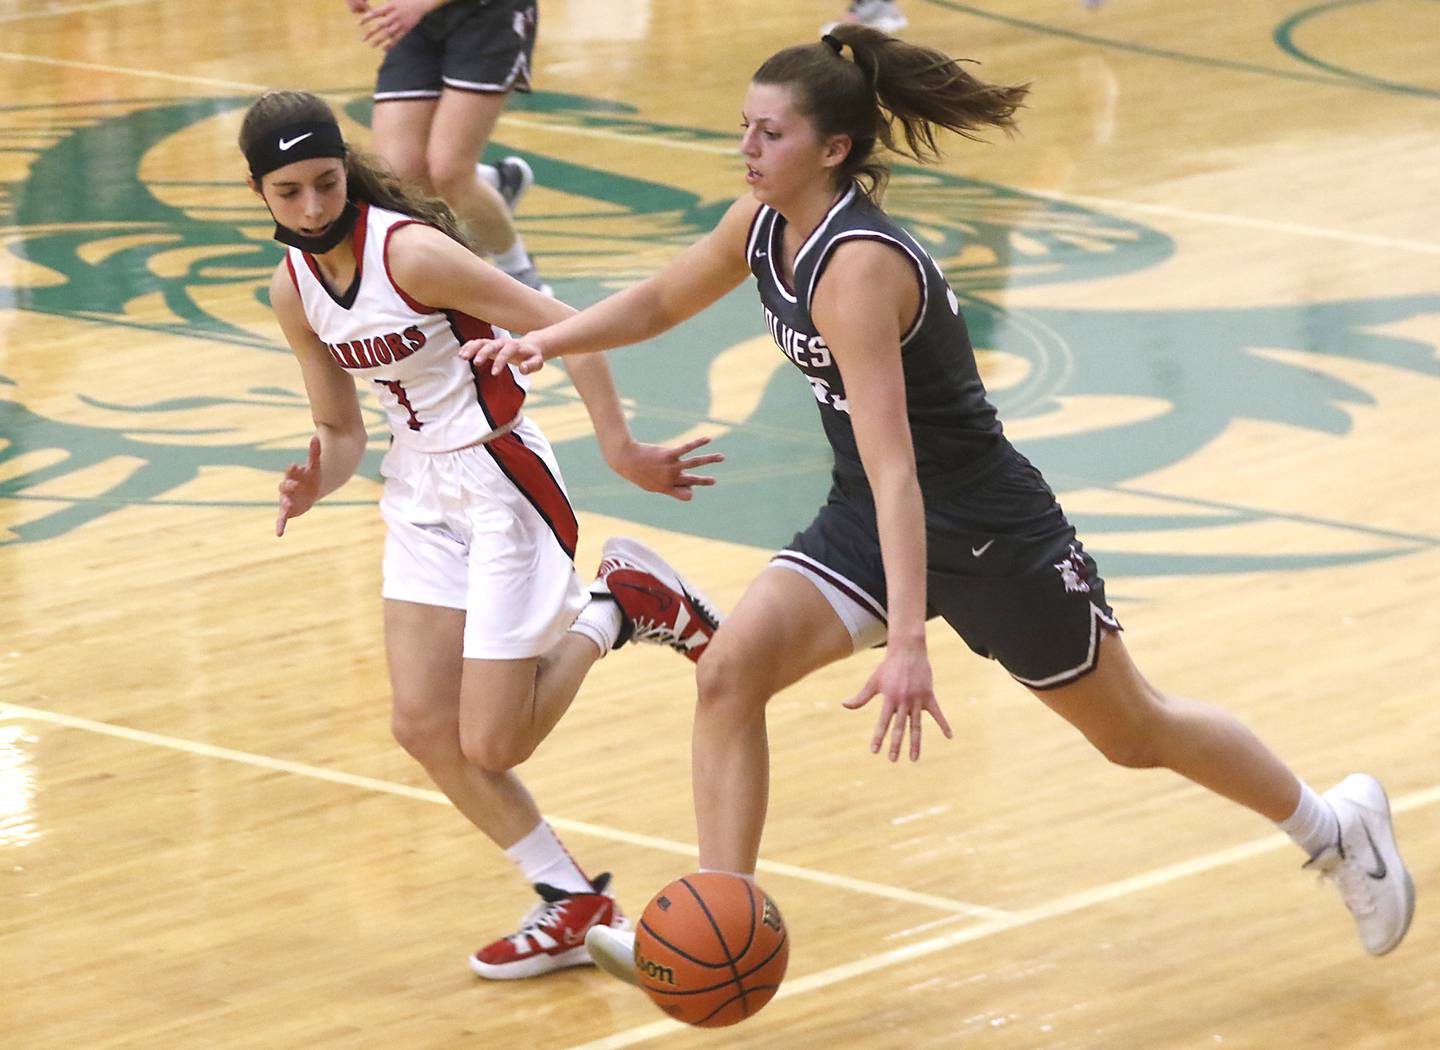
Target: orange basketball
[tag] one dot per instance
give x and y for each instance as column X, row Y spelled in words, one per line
column 711, row 949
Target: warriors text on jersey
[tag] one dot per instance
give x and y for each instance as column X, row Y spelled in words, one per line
column 434, row 400
column 952, row 424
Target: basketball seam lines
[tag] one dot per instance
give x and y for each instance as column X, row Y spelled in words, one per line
column 720, row 935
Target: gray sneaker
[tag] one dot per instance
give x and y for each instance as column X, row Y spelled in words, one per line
column 530, row 277
column 516, row 178
column 1365, row 864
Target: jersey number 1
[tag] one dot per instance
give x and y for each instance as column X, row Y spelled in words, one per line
column 413, row 422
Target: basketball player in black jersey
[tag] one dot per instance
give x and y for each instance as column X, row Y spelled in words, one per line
column 932, row 511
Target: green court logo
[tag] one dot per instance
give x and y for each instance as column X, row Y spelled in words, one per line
column 114, row 243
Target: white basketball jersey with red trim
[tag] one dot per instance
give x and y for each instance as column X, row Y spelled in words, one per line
column 406, row 350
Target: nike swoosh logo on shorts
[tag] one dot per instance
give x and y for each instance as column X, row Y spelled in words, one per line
column 977, row 551
column 285, row 145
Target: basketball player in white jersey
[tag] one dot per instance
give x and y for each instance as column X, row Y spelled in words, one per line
column 932, row 512
column 488, row 630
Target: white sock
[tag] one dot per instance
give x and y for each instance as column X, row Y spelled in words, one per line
column 541, row 857
column 748, row 876
column 1313, row 825
column 514, row 258
column 488, row 175
column 600, row 621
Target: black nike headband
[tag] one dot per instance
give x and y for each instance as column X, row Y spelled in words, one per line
column 295, row 142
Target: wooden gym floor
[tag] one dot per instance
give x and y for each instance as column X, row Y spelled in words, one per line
column 1205, row 287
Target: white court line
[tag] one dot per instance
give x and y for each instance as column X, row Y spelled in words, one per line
column 1061, row 906
column 579, row 827
column 1269, row 225
column 60, row 10
column 569, row 130
column 154, row 74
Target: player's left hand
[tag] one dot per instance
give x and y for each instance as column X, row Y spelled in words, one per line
column 664, row 468
column 904, row 680
column 384, row 25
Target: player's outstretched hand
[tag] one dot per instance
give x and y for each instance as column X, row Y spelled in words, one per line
column 665, row 468
column 299, row 488
column 498, row 353
column 904, row 680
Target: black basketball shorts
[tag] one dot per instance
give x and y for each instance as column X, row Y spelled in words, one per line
column 1005, row 570
column 468, row 45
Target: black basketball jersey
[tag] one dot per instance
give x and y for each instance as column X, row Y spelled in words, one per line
column 953, row 425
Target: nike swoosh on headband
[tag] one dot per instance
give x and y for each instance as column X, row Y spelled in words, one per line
column 286, row 144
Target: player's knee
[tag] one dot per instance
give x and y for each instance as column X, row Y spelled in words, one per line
column 449, row 177
column 724, row 679
column 412, row 169
column 495, row 751
column 426, row 739
column 1132, row 741
column 1132, row 750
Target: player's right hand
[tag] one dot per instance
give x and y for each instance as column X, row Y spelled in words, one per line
column 299, row 488
column 522, row 353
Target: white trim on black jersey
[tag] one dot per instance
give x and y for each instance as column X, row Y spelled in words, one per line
column 819, row 231
column 775, row 244
column 875, row 235
column 757, row 222
column 773, row 253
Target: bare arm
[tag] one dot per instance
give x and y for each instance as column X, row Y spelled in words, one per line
column 441, row 273
column 867, row 299
column 697, row 277
column 339, row 442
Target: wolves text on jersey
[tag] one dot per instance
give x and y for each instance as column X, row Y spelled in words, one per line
column 811, row 354
column 372, row 352
column 807, row 351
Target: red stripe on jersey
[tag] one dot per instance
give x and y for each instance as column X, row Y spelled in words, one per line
column 502, row 396
column 532, row 477
column 414, row 304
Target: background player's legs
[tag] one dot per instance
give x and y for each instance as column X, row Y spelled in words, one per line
column 1134, row 724
column 463, row 124
column 401, row 129
column 781, row 630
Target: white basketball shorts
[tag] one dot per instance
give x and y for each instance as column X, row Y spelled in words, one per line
column 488, row 529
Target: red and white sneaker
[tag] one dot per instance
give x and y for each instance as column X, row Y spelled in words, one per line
column 658, row 604
column 552, row 936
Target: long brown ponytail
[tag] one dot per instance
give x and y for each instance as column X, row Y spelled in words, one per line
column 883, row 82
column 368, row 178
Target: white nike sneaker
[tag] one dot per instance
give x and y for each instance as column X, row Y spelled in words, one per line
column 613, row 950
column 1365, row 863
